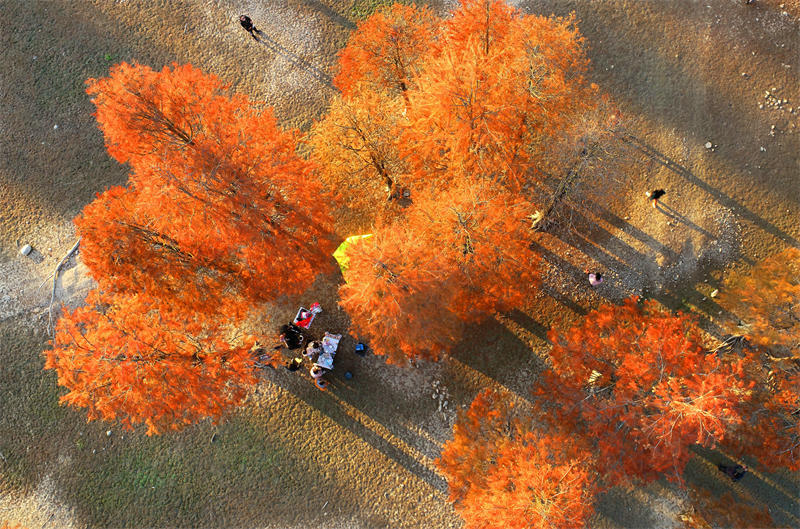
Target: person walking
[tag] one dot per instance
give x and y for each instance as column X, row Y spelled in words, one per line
column 247, row 24
column 595, row 278
column 655, row 195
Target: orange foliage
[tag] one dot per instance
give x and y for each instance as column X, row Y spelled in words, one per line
column 489, row 93
column 221, row 212
column 355, row 149
column 636, row 382
column 767, row 301
column 501, row 473
column 122, row 359
column 457, row 255
column 499, row 85
column 771, row 432
column 386, row 50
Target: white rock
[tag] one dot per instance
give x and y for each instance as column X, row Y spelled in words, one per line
column 708, row 145
column 25, row 250
column 763, row 149
column 108, row 433
column 714, row 293
column 55, row 126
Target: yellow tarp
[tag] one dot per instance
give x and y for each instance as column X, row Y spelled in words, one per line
column 341, row 252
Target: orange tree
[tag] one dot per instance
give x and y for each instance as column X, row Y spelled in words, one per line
column 463, row 130
column 456, row 256
column 386, row 50
column 501, row 472
column 487, row 92
column 636, row 382
column 356, row 143
column 766, row 307
column 767, row 304
column 123, row 359
column 220, row 211
column 498, row 86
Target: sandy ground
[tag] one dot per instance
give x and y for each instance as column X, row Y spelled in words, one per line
column 360, row 455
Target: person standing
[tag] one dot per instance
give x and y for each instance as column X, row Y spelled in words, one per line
column 247, row 24
column 655, row 195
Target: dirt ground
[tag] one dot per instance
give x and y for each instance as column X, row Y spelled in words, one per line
column 684, row 73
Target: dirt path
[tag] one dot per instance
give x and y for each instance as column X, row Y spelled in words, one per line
column 684, row 73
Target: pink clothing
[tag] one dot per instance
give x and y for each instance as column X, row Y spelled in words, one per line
column 595, row 279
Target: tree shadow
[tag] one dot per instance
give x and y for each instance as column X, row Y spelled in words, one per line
column 328, row 403
column 739, row 209
column 296, row 60
column 765, row 487
column 330, row 13
column 626, row 510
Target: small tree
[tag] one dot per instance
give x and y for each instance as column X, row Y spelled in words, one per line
column 355, row 148
column 502, row 473
column 636, row 382
column 767, row 303
column 221, row 212
column 122, row 359
column 385, row 52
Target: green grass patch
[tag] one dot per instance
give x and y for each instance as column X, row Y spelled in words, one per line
column 362, row 9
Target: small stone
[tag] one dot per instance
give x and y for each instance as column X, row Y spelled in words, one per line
column 763, row 149
column 108, row 433
column 714, row 293
column 55, row 127
column 25, row 250
column 761, row 106
column 708, row 145
column 94, row 451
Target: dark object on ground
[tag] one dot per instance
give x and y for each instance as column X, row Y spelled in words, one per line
column 735, row 472
column 655, row 195
column 361, row 349
column 348, row 375
column 247, row 24
column 291, row 336
column 294, row 364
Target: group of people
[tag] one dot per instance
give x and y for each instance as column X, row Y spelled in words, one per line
column 292, row 337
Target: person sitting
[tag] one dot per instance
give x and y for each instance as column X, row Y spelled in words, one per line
column 294, row 364
column 313, row 350
column 316, row 372
column 291, row 336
